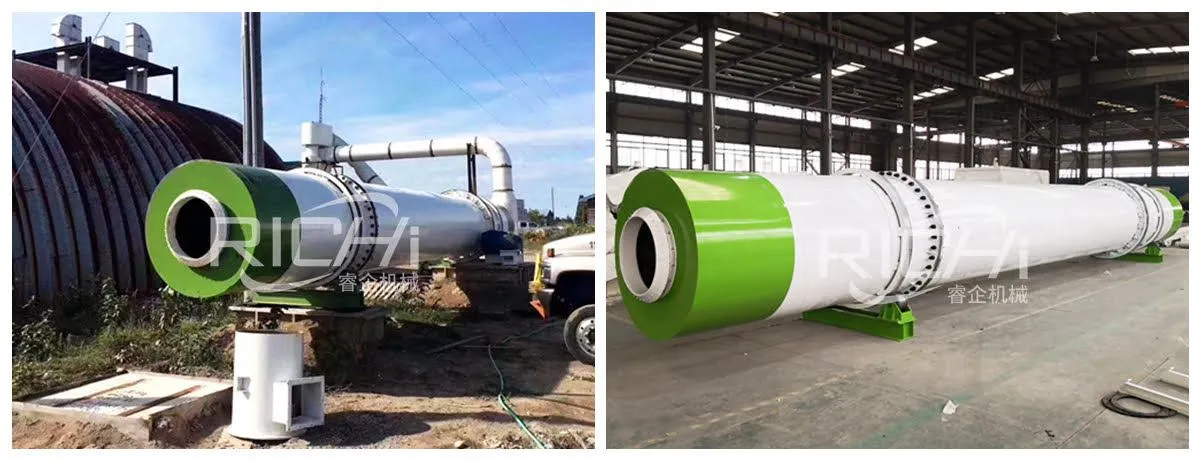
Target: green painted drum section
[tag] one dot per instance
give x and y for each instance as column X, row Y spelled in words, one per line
column 246, row 193
column 735, row 252
column 1176, row 211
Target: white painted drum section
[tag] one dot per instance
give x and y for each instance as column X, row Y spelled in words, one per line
column 413, row 226
column 325, row 218
column 848, row 243
column 997, row 225
column 845, row 234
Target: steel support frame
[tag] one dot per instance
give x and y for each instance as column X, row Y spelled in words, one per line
column 640, row 53
column 683, row 87
column 736, row 61
column 793, row 34
column 893, row 321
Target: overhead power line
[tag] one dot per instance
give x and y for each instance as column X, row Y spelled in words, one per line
column 523, row 53
column 439, row 69
column 506, row 65
column 476, row 59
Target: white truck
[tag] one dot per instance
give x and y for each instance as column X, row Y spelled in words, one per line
column 564, row 284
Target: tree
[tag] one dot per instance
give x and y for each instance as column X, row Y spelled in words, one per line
column 536, row 217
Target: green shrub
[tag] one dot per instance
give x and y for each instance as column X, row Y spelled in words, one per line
column 91, row 331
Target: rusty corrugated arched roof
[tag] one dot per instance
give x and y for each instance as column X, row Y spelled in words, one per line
column 82, row 178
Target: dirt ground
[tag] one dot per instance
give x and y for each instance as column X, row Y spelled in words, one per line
column 411, row 398
column 40, row 433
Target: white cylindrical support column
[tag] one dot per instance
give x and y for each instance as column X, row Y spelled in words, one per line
column 272, row 400
column 698, row 250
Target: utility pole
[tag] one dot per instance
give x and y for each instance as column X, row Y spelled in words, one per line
column 551, row 200
column 321, row 99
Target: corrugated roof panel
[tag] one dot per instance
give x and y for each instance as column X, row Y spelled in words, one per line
column 86, row 174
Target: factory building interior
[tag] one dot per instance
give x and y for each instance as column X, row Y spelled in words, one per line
column 1064, row 98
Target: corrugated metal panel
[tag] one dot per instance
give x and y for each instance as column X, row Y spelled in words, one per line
column 85, row 176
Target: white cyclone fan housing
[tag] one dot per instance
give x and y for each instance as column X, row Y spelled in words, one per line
column 272, row 400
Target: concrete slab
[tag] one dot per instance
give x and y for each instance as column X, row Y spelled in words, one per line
column 143, row 405
column 1026, row 374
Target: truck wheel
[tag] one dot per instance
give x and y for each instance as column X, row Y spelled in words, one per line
column 580, row 334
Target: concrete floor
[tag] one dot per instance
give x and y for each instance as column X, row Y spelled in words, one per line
column 1023, row 374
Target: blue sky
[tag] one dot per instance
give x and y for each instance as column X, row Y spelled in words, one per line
column 378, row 88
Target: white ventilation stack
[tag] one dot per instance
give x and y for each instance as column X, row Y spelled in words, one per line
column 137, row 41
column 138, row 45
column 67, row 30
column 107, row 42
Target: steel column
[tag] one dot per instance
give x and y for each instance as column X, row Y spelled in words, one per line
column 256, row 143
column 247, row 96
column 175, row 84
column 688, row 128
column 612, row 126
column 906, row 142
column 1018, row 78
column 753, row 135
column 1157, row 133
column 1086, row 102
column 803, row 147
column 969, row 138
column 929, row 147
column 1055, row 132
column 709, row 62
column 826, row 99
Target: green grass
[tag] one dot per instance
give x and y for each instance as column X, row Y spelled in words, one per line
column 93, row 330
column 415, row 311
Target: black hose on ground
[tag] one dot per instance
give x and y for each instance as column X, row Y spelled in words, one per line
column 1110, row 402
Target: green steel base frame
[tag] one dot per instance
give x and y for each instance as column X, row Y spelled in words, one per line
column 893, row 321
column 325, row 300
column 1152, row 255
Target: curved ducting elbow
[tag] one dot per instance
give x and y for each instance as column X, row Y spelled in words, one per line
column 497, row 155
column 502, row 188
